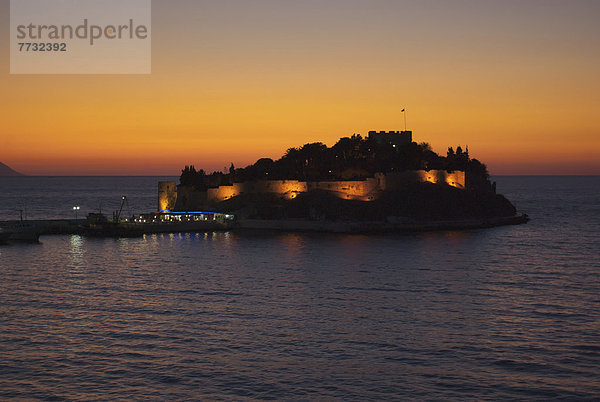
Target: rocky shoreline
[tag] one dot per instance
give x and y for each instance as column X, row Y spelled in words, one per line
column 390, row 226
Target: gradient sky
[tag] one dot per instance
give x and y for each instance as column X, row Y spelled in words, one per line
column 518, row 81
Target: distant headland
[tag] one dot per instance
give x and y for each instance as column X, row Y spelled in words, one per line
column 385, row 181
column 7, row 171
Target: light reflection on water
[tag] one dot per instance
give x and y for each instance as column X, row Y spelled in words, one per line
column 510, row 312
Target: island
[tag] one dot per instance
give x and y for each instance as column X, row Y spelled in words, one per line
column 7, row 171
column 382, row 182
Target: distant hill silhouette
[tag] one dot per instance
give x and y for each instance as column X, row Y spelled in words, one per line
column 6, row 171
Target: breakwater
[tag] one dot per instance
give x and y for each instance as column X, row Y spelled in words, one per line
column 49, row 226
column 72, row 226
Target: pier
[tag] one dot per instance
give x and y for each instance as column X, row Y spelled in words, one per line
column 99, row 225
column 195, row 224
column 48, row 226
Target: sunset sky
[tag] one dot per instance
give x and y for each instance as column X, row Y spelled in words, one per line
column 518, row 81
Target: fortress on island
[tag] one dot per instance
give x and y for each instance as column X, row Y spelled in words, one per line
column 185, row 198
column 172, row 197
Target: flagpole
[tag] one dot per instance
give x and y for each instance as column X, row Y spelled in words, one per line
column 404, row 111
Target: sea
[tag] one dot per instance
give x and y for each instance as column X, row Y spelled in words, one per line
column 504, row 313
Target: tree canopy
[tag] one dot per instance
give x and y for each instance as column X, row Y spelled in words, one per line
column 351, row 158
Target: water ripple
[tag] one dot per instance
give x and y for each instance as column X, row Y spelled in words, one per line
column 506, row 313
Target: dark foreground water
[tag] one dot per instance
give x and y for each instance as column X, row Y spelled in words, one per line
column 511, row 312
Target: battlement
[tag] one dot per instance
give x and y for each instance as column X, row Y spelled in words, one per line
column 398, row 138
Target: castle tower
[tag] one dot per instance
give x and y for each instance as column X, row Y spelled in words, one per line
column 396, row 138
column 167, row 195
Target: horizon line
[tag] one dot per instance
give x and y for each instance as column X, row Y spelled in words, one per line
column 169, row 175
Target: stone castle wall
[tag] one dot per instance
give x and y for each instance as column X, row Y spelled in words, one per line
column 167, row 195
column 391, row 181
column 184, row 198
column 362, row 190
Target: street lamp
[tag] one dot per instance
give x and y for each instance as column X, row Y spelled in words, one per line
column 76, row 208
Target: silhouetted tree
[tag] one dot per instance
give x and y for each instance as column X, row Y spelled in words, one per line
column 353, row 157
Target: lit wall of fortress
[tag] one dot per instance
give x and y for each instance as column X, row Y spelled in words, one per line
column 185, row 198
column 167, row 195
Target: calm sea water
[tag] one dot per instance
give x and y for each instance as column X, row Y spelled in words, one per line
column 510, row 312
column 55, row 197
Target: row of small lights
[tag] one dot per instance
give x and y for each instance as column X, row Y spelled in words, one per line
column 77, row 208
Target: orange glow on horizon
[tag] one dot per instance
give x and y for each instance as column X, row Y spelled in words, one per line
column 523, row 97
